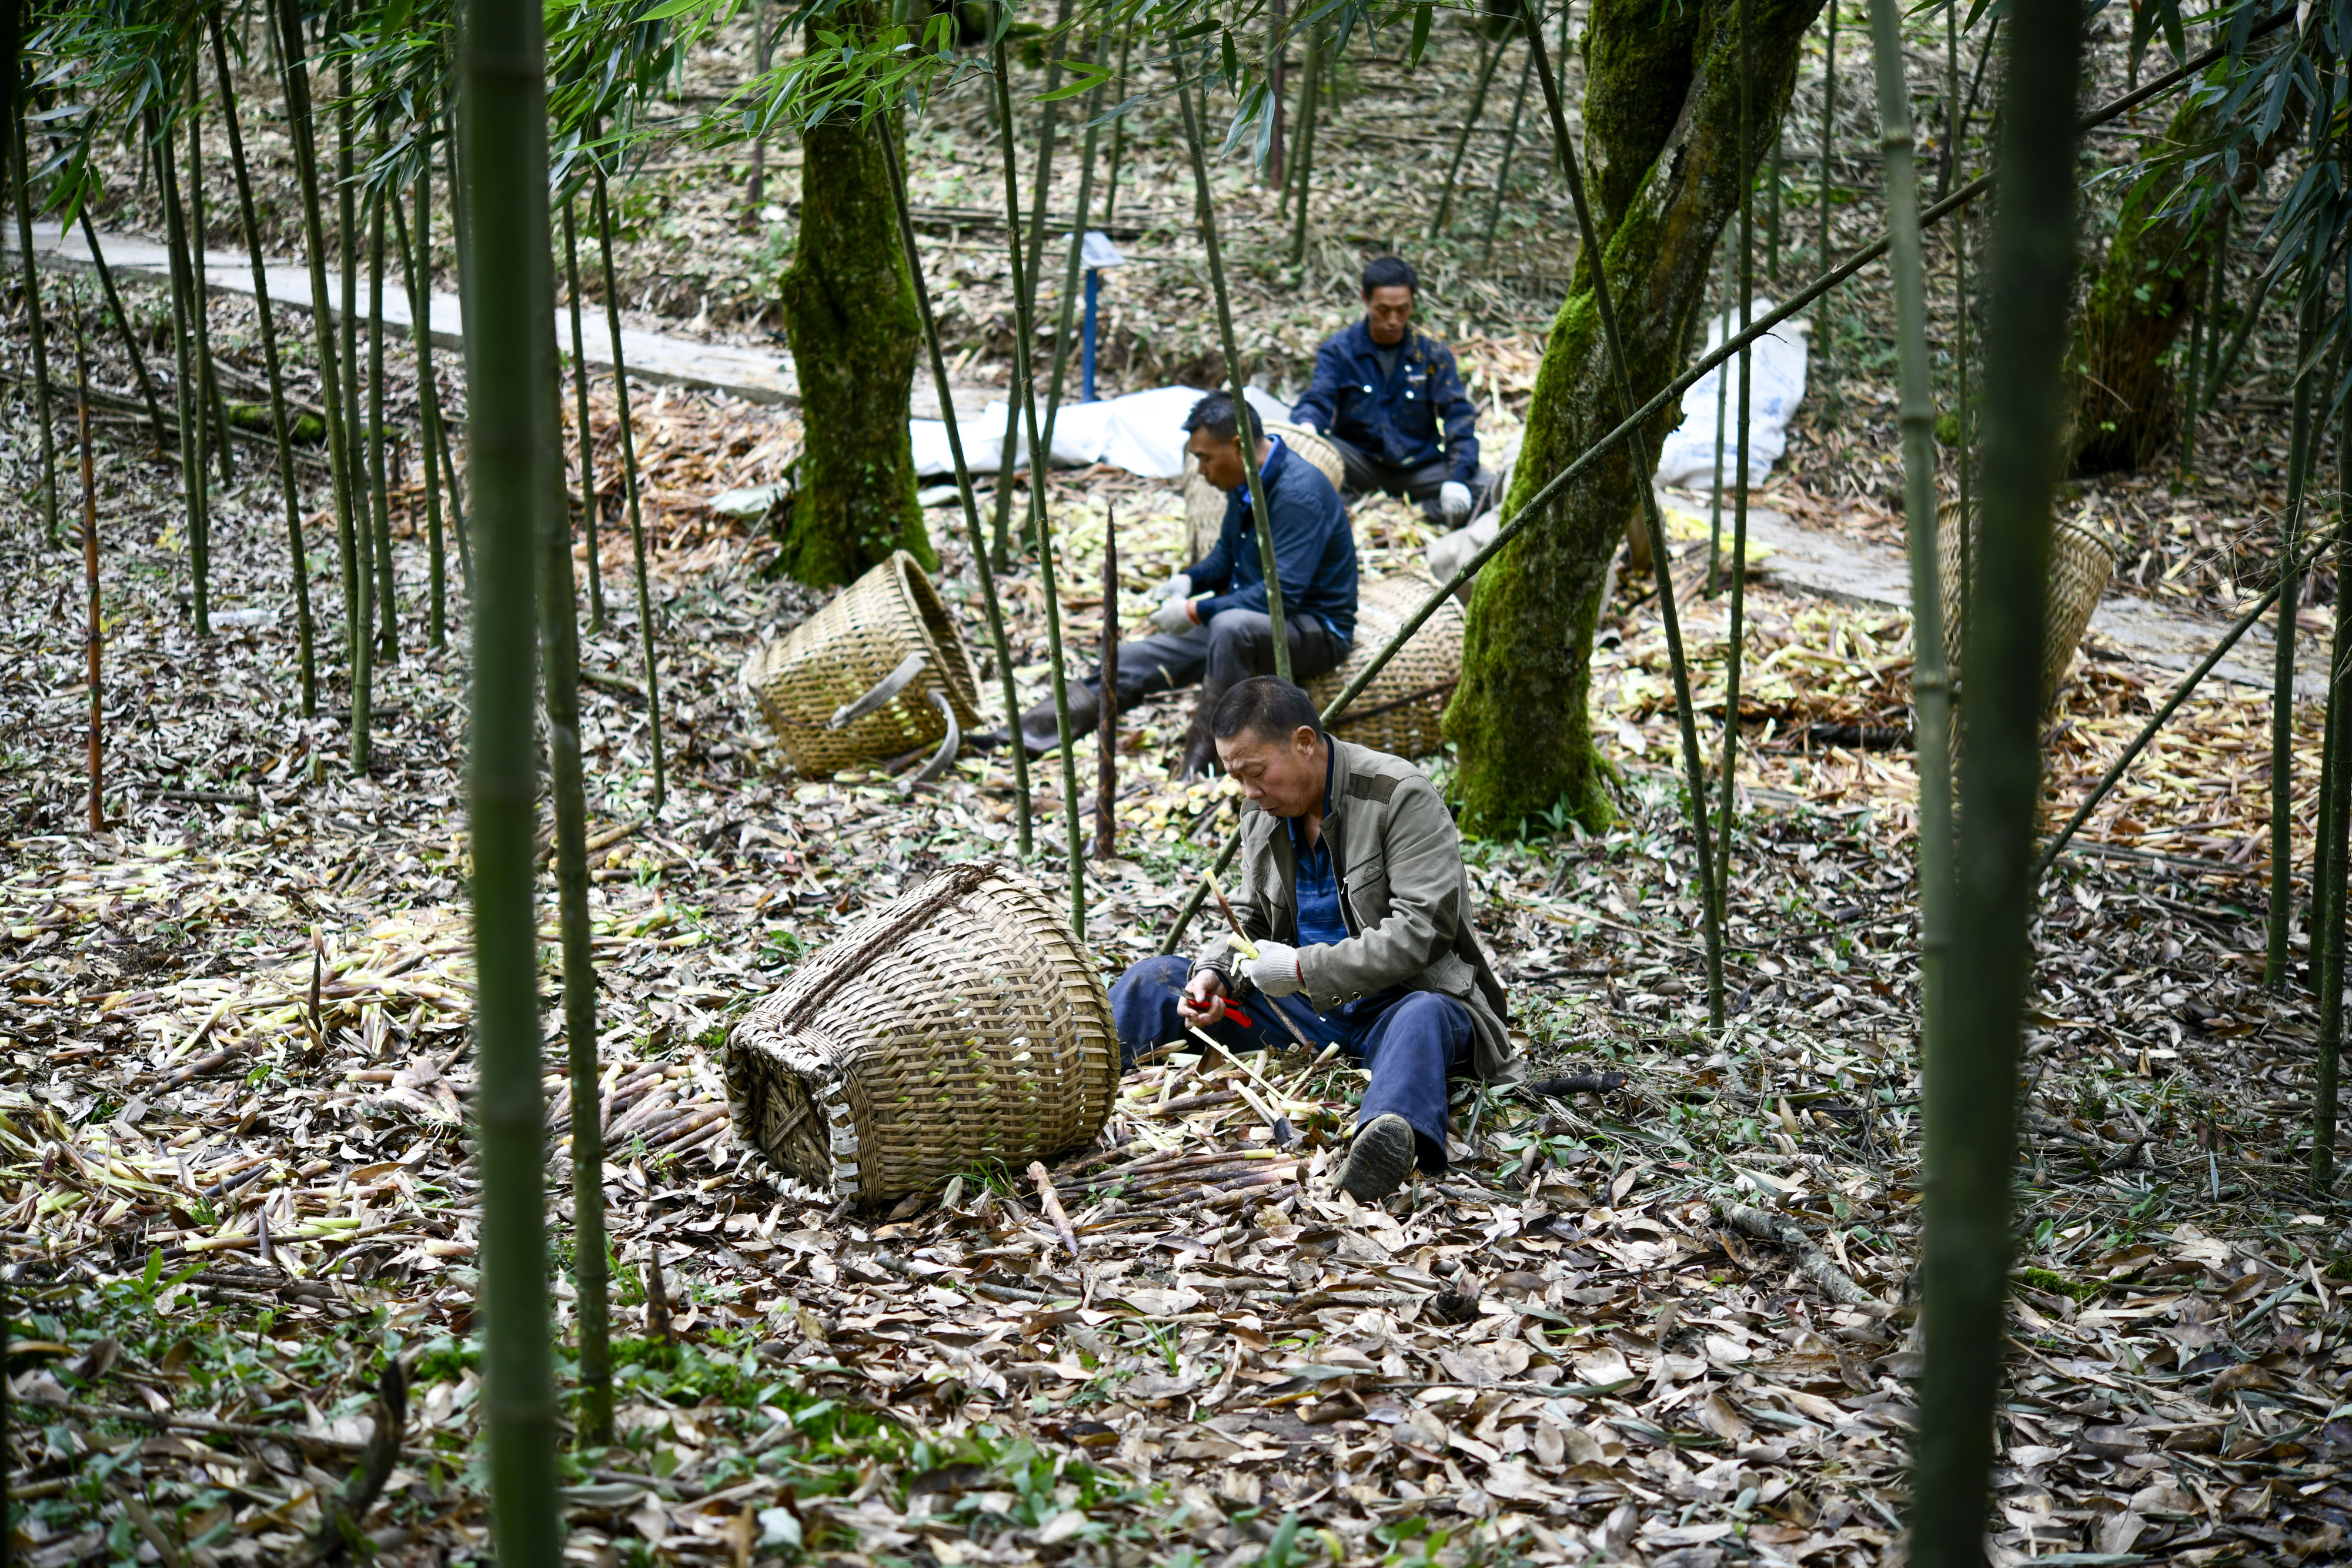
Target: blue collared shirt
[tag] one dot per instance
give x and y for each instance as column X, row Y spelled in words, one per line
column 1313, row 548
column 1418, row 415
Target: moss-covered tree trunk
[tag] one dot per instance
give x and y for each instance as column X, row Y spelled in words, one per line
column 850, row 315
column 1661, row 118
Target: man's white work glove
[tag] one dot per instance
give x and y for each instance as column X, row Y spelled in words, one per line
column 1454, row 500
column 1174, row 617
column 1307, row 423
column 1275, row 970
column 1178, row 586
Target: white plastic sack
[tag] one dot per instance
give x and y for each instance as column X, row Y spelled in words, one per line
column 1142, row 433
column 1776, row 386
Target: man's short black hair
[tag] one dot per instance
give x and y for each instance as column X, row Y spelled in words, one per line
column 1214, row 413
column 1389, row 272
column 1266, row 706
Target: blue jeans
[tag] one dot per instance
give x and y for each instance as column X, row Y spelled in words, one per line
column 1409, row 1041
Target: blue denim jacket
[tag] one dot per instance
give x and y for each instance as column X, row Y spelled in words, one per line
column 1396, row 418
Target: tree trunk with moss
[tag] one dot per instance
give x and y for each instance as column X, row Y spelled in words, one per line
column 1661, row 134
column 849, row 312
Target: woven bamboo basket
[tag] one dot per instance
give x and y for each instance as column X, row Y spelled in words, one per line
column 2081, row 562
column 1204, row 504
column 962, row 1022
column 838, row 655
column 1402, row 711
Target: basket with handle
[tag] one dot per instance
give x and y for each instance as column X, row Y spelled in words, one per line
column 961, row 1021
column 1204, row 504
column 881, row 670
column 2081, row 563
column 1402, row 711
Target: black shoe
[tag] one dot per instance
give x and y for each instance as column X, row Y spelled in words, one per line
column 1378, row 1160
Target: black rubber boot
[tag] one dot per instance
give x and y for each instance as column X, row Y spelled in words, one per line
column 1041, row 730
column 1199, row 740
column 1378, row 1160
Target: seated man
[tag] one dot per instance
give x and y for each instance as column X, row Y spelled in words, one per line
column 1352, row 892
column 1380, row 394
column 1213, row 625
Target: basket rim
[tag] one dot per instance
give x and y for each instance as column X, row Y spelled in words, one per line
column 961, row 676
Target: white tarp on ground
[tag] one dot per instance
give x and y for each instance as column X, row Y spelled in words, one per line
column 1776, row 386
column 1142, row 433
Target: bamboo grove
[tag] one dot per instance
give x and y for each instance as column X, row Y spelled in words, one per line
column 488, row 143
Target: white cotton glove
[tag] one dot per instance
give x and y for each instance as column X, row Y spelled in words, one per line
column 1275, row 970
column 1307, row 423
column 1454, row 500
column 1174, row 617
column 1178, row 586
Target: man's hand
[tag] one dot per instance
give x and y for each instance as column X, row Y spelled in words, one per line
column 1175, row 617
column 1276, row 970
column 1178, row 586
column 1454, row 500
column 1307, row 423
column 1203, row 1002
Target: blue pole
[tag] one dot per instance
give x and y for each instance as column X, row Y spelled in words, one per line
column 1086, row 352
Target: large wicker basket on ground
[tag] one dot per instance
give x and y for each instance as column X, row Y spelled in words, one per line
column 1402, row 712
column 837, row 656
column 960, row 1022
column 1204, row 504
column 2081, row 562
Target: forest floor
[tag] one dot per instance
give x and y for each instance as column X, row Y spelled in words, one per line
column 229, row 1206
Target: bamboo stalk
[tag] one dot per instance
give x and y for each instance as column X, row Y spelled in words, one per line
column 2199, row 324
column 200, row 291
column 2277, row 957
column 1261, row 518
column 1119, row 126
column 1722, row 412
column 516, row 456
column 1027, row 302
column 417, row 276
column 1825, row 339
column 1970, row 1078
column 1024, row 400
column 1302, row 179
column 1738, row 642
column 1488, row 60
column 1930, row 683
column 424, row 241
column 1773, row 208
column 1510, row 147
column 41, row 409
column 1277, row 40
column 1964, row 463
column 281, row 421
column 2331, row 1032
column 559, row 649
column 188, row 388
column 123, row 320
column 978, row 542
column 2223, row 367
column 629, row 476
column 379, row 485
column 754, row 192
column 300, row 120
column 94, row 634
column 1107, row 719
column 1661, row 562
column 2216, row 298
column 590, row 504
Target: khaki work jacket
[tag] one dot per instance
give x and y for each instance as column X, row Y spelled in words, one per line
column 1403, row 892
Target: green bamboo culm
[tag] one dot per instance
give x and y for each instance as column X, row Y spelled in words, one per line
column 1510, row 149
column 2331, row 1020
column 416, row 276
column 591, row 504
column 1026, row 303
column 1302, row 178
column 424, row 246
column 1970, row 1075
column 558, row 654
column 347, row 256
column 281, row 416
column 41, row 410
column 1488, row 60
column 1261, row 520
column 1824, row 338
column 188, row 382
column 1735, row 644
column 216, row 405
column 515, row 456
column 2277, row 953
column 973, row 534
column 300, row 120
column 129, row 331
column 388, row 645
column 1930, row 680
column 1063, row 337
column 1722, row 412
column 1661, row 565
column 629, row 478
column 1119, row 126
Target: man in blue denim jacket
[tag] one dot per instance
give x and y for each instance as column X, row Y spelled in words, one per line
column 1391, row 400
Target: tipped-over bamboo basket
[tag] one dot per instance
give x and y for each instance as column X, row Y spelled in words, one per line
column 1204, row 504
column 960, row 1022
column 2081, row 562
column 827, row 689
column 1402, row 711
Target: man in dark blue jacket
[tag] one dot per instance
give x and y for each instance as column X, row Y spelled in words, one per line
column 1213, row 625
column 1391, row 400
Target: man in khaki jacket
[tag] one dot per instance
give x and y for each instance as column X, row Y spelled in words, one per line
column 1353, row 893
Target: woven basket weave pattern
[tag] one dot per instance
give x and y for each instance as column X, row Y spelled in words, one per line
column 2081, row 563
column 1402, row 711
column 838, row 653
column 960, row 1022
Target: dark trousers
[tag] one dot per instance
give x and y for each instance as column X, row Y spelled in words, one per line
column 1410, row 1046
column 1233, row 646
column 1364, row 474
